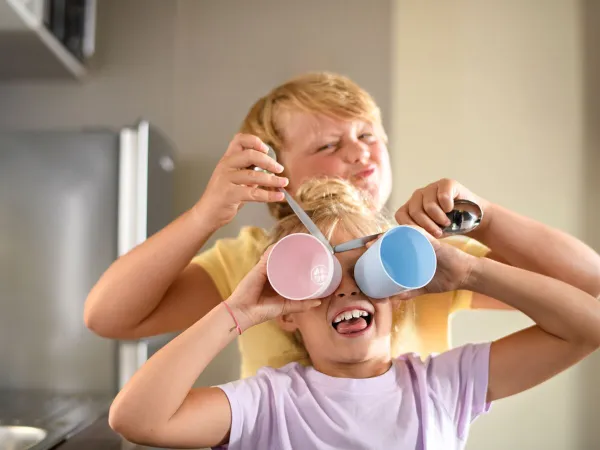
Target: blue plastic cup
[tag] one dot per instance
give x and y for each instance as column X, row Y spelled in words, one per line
column 401, row 260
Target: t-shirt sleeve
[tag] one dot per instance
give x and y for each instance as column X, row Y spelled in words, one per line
column 461, row 298
column 458, row 379
column 251, row 410
column 230, row 259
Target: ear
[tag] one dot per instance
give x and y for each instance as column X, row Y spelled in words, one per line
column 287, row 322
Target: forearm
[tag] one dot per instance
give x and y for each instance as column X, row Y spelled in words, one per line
column 558, row 308
column 528, row 244
column 133, row 286
column 159, row 388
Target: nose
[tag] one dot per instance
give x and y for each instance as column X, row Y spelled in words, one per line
column 347, row 287
column 358, row 152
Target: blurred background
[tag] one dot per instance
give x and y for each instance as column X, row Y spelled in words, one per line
column 503, row 96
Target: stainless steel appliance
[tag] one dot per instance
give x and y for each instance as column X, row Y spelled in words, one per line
column 71, row 202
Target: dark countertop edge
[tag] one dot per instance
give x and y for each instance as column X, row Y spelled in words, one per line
column 98, row 436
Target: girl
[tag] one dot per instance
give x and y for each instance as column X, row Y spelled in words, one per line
column 322, row 124
column 355, row 394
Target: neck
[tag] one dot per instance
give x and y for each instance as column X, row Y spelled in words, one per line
column 364, row 369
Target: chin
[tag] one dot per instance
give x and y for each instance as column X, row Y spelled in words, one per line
column 378, row 197
column 354, row 353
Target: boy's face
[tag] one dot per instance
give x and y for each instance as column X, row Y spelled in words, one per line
column 333, row 339
column 317, row 145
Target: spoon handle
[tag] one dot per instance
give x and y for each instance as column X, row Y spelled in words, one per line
column 306, row 221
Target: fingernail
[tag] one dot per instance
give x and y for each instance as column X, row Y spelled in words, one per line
column 283, row 181
column 279, row 167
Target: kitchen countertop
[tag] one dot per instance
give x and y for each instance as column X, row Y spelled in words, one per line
column 60, row 414
column 98, row 436
column 73, row 421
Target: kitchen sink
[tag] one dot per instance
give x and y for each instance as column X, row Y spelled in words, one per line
column 13, row 437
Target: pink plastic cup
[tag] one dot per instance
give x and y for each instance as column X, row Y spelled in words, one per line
column 300, row 267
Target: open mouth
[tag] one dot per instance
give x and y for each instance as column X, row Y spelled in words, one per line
column 352, row 322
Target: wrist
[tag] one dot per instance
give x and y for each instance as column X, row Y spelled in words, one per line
column 481, row 232
column 203, row 218
column 476, row 275
column 241, row 315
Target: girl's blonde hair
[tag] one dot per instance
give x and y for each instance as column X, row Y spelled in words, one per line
column 336, row 205
column 324, row 93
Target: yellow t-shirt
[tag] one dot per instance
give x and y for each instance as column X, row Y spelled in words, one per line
column 422, row 325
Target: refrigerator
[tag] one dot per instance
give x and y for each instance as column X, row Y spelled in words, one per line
column 71, row 202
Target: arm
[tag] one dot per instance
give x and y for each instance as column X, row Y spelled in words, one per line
column 513, row 239
column 538, row 248
column 567, row 326
column 153, row 289
column 159, row 407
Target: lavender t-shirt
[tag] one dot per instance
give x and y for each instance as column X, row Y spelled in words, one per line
column 419, row 405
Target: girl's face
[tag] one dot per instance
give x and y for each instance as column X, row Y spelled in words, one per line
column 318, row 145
column 348, row 330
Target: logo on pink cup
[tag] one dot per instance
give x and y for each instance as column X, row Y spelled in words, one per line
column 301, row 267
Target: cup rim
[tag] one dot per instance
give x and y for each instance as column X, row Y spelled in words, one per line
column 330, row 271
column 380, row 258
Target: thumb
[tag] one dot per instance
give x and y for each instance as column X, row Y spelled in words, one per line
column 261, row 267
column 257, row 276
column 297, row 306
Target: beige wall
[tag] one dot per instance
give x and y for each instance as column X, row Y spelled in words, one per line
column 497, row 95
column 589, row 391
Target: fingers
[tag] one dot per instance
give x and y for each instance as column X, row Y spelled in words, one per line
column 257, row 194
column 433, row 208
column 253, row 178
column 246, row 141
column 446, row 191
column 428, row 206
column 265, row 256
column 418, row 215
column 240, row 184
column 251, row 157
column 402, row 216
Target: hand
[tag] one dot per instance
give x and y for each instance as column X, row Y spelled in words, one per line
column 254, row 300
column 233, row 183
column 427, row 207
column 454, row 269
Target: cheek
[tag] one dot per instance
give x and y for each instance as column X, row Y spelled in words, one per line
column 379, row 153
column 312, row 326
column 299, row 170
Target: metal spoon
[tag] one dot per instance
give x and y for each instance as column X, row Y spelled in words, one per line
column 464, row 218
column 306, row 221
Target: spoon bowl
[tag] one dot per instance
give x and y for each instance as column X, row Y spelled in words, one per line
column 464, row 218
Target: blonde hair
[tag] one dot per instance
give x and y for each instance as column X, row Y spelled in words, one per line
column 336, row 205
column 324, row 93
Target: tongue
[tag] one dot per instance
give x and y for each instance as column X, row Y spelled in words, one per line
column 352, row 326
